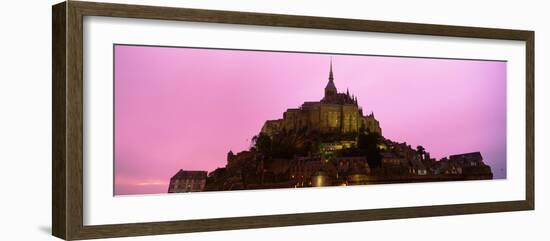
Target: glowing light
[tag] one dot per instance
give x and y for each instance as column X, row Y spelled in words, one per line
column 151, row 183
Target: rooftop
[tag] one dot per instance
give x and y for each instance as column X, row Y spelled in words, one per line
column 189, row 175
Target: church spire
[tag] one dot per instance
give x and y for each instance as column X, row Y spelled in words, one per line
column 331, row 86
column 330, row 89
column 330, row 76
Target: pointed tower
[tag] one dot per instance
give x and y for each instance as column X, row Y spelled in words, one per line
column 330, row 89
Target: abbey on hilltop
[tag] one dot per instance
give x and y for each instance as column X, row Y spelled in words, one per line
column 335, row 113
column 328, row 143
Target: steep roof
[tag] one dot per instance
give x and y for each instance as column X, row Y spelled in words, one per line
column 189, row 175
column 474, row 155
column 330, row 84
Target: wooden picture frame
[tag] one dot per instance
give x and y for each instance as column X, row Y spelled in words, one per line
column 67, row 149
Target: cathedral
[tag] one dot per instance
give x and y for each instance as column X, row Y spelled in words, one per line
column 335, row 113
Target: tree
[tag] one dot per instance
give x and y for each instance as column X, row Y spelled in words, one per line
column 262, row 143
column 367, row 143
column 421, row 151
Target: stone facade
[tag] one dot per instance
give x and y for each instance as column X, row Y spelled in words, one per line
column 187, row 181
column 470, row 165
column 335, row 113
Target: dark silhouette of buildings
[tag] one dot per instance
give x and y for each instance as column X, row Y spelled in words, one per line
column 328, row 143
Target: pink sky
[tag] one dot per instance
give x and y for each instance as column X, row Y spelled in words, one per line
column 184, row 108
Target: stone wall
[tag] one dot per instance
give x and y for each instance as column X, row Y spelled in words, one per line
column 346, row 118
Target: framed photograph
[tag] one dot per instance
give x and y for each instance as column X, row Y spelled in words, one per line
column 172, row 120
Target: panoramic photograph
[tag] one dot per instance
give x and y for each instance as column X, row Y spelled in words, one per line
column 202, row 119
